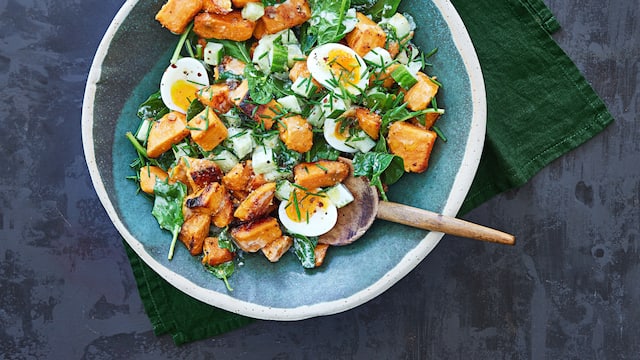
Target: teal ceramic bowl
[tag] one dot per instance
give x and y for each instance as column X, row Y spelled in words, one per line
column 127, row 68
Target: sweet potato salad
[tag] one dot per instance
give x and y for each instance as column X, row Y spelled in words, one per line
column 265, row 108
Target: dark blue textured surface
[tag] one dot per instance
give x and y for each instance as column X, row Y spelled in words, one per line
column 568, row 290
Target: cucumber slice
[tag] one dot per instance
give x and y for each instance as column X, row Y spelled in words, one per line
column 361, row 141
column 339, row 195
column 333, row 106
column 213, row 53
column 240, row 141
column 226, row 160
column 316, row 117
column 378, row 57
column 283, row 190
column 290, row 103
column 400, row 24
column 403, row 77
column 143, row 130
column 252, row 11
column 304, row 87
column 279, row 58
column 263, row 161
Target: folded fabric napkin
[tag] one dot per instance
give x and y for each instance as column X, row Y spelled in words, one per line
column 539, row 107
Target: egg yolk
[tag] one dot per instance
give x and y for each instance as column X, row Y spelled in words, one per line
column 182, row 93
column 344, row 67
column 303, row 204
column 343, row 128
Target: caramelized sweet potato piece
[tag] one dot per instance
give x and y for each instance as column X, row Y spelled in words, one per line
column 284, row 16
column 412, row 143
column 201, row 172
column 320, row 174
column 367, row 35
column 429, row 120
column 255, row 235
column 229, row 26
column 238, row 91
column 213, row 254
column 237, row 179
column 217, row 6
column 224, row 216
column 296, row 133
column 420, row 94
column 239, row 4
column 167, row 131
column 175, row 15
column 320, row 252
column 207, row 130
column 193, row 232
column 275, row 249
column 207, row 200
column 179, row 172
column 266, row 114
column 383, row 78
column 216, row 96
column 257, row 204
column 148, row 176
column 369, row 122
column 299, row 69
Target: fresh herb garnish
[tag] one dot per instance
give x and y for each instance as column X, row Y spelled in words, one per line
column 167, row 208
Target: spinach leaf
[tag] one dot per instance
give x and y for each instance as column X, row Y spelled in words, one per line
column 260, row 85
column 225, row 241
column 167, row 208
column 272, row 2
column 304, row 248
column 222, row 272
column 321, row 150
column 153, row 107
column 383, row 8
column 379, row 168
column 326, row 20
column 236, row 49
column 194, row 109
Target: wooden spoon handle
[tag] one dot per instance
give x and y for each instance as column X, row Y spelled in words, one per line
column 427, row 220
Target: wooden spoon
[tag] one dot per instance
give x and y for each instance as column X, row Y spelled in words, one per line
column 358, row 216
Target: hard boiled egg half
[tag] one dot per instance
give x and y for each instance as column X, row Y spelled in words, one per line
column 308, row 213
column 337, row 66
column 180, row 83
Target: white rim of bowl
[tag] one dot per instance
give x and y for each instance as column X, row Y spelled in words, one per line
column 460, row 188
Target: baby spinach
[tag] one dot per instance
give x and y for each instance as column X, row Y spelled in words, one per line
column 167, row 208
column 222, row 272
column 153, row 107
column 379, row 168
column 260, row 85
column 236, row 49
column 383, row 8
column 327, row 20
column 304, row 248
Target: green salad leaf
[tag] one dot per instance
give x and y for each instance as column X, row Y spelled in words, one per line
column 304, row 248
column 379, row 168
column 152, row 108
column 222, row 272
column 327, row 20
column 167, row 208
column 261, row 86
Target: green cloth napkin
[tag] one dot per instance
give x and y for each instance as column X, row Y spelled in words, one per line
column 539, row 107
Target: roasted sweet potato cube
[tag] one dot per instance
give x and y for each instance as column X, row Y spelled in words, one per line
column 201, row 172
column 229, row 26
column 320, row 174
column 255, row 235
column 369, row 122
column 266, row 114
column 296, row 133
column 207, row 130
column 366, row 36
column 383, row 78
column 284, row 16
column 217, row 6
column 216, row 96
column 175, row 15
column 257, row 204
column 179, row 172
column 207, row 200
column 275, row 249
column 224, row 216
column 420, row 94
column 148, row 176
column 427, row 121
column 213, row 254
column 239, row 4
column 412, row 143
column 164, row 133
column 238, row 91
column 193, row 232
column 299, row 69
column 238, row 177
column 321, row 252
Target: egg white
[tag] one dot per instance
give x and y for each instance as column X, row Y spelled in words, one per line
column 187, row 69
column 319, row 223
column 321, row 72
column 329, row 132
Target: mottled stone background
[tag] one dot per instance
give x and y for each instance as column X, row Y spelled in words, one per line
column 570, row 289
